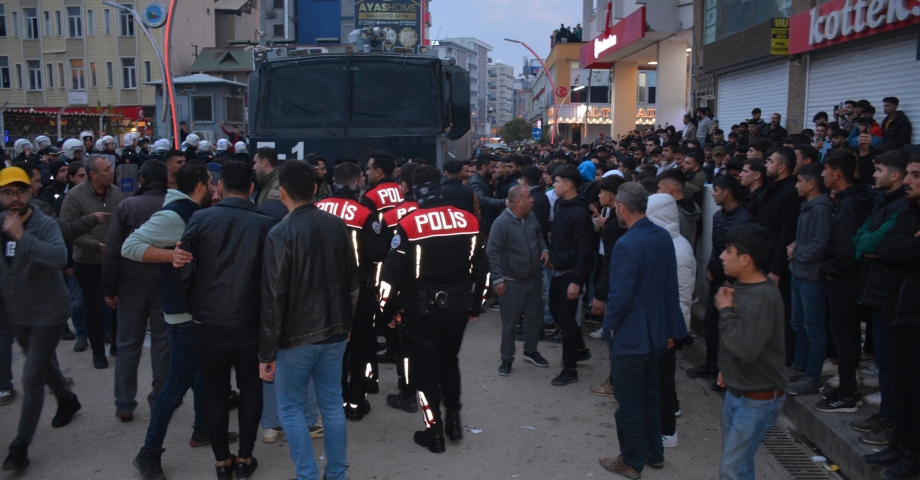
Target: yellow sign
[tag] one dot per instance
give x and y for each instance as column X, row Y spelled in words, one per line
column 779, row 36
column 594, row 112
column 646, row 113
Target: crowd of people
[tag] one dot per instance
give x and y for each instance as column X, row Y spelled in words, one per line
column 288, row 273
column 565, row 34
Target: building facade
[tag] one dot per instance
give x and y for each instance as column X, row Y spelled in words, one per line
column 500, row 95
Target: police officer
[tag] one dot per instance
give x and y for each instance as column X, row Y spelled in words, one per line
column 129, row 150
column 436, row 263
column 370, row 246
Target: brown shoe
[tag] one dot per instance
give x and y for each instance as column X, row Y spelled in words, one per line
column 617, row 466
column 604, row 390
column 124, row 417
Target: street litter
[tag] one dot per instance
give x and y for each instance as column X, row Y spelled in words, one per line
column 818, row 458
column 472, row 429
column 528, row 427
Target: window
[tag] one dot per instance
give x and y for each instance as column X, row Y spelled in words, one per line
column 126, row 24
column 35, row 74
column 642, row 86
column 57, row 19
column 128, row 73
column 61, row 76
column 278, row 4
column 77, row 74
column 278, row 31
column 90, row 23
column 728, row 17
column 19, row 75
column 92, row 73
column 235, row 108
column 15, row 24
column 202, row 109
column 49, row 68
column 109, row 75
column 2, row 20
column 47, row 18
column 4, row 72
column 107, row 20
column 31, row 17
column 74, row 22
column 147, row 73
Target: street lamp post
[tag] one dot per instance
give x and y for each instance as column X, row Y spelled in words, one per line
column 551, row 83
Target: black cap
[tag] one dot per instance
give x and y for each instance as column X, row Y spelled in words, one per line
column 52, row 150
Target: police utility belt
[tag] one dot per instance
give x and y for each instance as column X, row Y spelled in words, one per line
column 433, row 300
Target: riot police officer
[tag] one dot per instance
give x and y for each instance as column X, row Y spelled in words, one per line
column 370, row 246
column 437, row 264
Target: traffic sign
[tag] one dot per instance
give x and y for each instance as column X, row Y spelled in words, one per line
column 562, row 91
column 536, row 133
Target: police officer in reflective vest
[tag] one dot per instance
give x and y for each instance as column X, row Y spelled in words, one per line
column 399, row 348
column 437, row 264
column 370, row 246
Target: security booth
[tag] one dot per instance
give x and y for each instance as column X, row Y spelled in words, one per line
column 203, row 101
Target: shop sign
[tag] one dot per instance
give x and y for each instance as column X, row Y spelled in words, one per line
column 779, row 36
column 646, row 112
column 841, row 21
column 625, row 32
column 400, row 20
column 595, row 112
column 77, row 98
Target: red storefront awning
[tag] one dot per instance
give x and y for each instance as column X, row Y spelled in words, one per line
column 598, row 54
column 127, row 112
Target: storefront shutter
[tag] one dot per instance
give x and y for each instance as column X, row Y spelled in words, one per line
column 764, row 86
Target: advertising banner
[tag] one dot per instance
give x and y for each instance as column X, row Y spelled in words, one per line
column 401, row 20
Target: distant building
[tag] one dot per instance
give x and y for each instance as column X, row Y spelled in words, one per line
column 501, row 106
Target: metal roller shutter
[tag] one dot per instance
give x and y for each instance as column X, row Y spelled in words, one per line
column 764, row 86
column 871, row 70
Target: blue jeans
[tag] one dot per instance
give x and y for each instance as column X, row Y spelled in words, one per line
column 744, row 424
column 78, row 317
column 270, row 406
column 183, row 374
column 808, row 307
column 638, row 416
column 295, row 368
column 547, row 279
column 881, row 331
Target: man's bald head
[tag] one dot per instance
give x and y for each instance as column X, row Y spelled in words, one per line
column 516, row 192
column 519, row 201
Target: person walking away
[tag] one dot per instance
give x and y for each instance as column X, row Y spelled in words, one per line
column 662, row 211
column 220, row 283
column 571, row 253
column 34, row 254
column 642, row 314
column 751, row 357
column 898, row 251
column 516, row 253
column 890, row 171
column 450, row 278
column 96, row 194
column 309, row 292
column 844, row 275
column 809, row 292
column 134, row 288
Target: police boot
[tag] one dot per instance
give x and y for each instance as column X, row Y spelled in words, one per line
column 431, row 438
column 403, row 401
column 452, row 425
column 357, row 406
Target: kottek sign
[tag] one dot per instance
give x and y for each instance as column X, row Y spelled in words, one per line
column 840, row 21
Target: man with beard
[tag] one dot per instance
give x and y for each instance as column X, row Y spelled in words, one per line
column 489, row 206
column 58, row 184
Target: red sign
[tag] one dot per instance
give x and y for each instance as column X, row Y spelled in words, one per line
column 625, row 32
column 562, row 91
column 840, row 21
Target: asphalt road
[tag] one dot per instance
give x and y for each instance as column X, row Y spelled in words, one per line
column 529, row 429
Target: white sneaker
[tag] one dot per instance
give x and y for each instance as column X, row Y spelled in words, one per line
column 870, row 382
column 270, row 435
column 669, row 441
column 829, row 368
column 870, row 371
column 874, row 399
column 596, row 333
column 834, row 382
column 7, row 396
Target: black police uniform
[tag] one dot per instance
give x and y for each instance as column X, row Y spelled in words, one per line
column 438, row 265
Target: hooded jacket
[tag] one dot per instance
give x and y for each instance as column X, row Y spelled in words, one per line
column 690, row 214
column 879, row 277
column 854, row 205
column 814, row 226
column 722, row 223
column 662, row 211
column 898, row 129
column 779, row 214
column 899, row 251
column 572, row 240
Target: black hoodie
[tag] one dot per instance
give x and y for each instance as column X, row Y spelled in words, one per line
column 854, row 205
column 572, row 241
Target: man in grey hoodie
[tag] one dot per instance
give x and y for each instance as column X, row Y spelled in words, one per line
column 516, row 254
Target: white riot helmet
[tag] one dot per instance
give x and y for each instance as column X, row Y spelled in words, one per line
column 192, row 140
column 21, row 145
column 86, row 133
column 72, row 145
column 129, row 139
column 107, row 139
column 223, row 144
column 42, row 141
column 204, row 146
column 161, row 145
column 240, row 147
column 98, row 145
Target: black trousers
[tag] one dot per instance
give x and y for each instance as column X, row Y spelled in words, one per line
column 667, row 391
column 39, row 369
column 905, row 358
column 785, row 291
column 89, row 276
column 842, row 294
column 362, row 348
column 436, row 339
column 564, row 311
column 219, row 350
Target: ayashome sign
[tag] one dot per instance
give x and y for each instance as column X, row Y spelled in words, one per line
column 840, row 21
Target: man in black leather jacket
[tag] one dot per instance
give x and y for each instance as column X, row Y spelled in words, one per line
column 309, row 293
column 221, row 287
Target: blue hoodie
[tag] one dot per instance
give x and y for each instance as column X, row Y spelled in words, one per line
column 588, row 170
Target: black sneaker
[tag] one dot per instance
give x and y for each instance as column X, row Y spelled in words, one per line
column 869, row 424
column 99, row 360
column 549, row 326
column 357, row 412
column 556, row 337
column 565, row 378
column 402, row 402
column 201, row 438
column 907, row 467
column 888, row 456
column 148, row 463
column 837, row 405
column 18, row 459
column 536, row 359
column 68, row 334
column 225, row 472
column 703, row 371
column 583, row 355
column 81, row 345
column 244, row 470
column 505, row 368
column 65, row 412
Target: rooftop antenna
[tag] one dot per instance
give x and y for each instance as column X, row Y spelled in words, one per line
column 438, row 36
